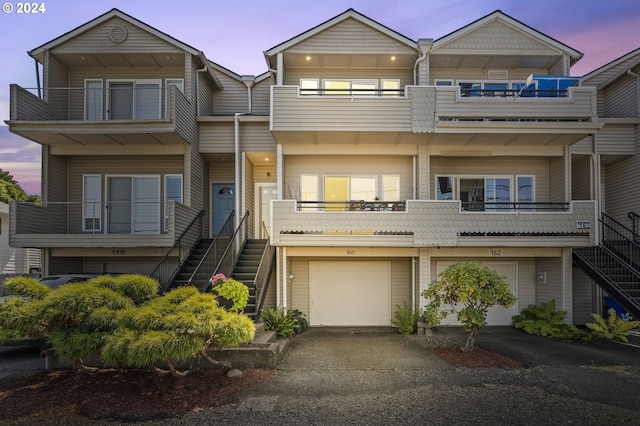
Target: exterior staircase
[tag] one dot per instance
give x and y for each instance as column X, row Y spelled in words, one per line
column 246, row 270
column 190, row 265
column 615, row 264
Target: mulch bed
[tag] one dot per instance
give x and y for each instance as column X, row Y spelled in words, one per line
column 132, row 395
column 477, row 358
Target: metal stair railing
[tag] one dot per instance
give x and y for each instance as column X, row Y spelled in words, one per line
column 210, row 257
column 635, row 218
column 596, row 261
column 230, row 254
column 173, row 260
column 621, row 240
column 263, row 274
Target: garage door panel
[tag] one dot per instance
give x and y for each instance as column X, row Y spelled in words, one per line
column 350, row 293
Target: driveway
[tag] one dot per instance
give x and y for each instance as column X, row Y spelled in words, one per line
column 378, row 377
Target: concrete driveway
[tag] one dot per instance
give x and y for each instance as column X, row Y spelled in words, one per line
column 378, row 377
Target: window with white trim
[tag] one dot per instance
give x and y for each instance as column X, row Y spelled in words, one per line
column 134, row 99
column 172, row 192
column 91, row 202
column 93, row 100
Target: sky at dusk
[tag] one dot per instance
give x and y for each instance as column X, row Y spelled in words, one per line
column 234, row 34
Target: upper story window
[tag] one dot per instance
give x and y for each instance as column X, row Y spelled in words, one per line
column 350, row 87
column 488, row 193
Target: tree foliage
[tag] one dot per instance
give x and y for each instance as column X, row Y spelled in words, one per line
column 468, row 289
column 10, row 189
column 122, row 321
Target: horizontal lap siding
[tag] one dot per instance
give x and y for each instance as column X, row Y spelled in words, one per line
column 220, row 137
column 552, row 289
column 504, row 166
column 477, row 74
column 292, row 112
column 56, row 75
column 622, row 190
column 345, row 165
column 232, row 99
column 96, row 40
column 348, row 37
column 617, row 140
column 621, row 98
column 260, row 98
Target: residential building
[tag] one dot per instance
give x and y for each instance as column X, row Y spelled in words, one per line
column 369, row 161
column 13, row 260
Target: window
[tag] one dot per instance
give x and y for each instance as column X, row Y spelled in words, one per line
column 309, row 86
column 500, row 89
column 91, row 202
column 138, row 100
column 497, row 191
column 172, row 192
column 439, row 82
column 525, row 191
column 444, row 187
column 390, row 188
column 93, row 100
column 364, row 87
column 179, row 85
column 309, row 188
column 390, row 87
column 336, row 87
column 470, row 88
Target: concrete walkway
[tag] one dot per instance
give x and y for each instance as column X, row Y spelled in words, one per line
column 378, row 377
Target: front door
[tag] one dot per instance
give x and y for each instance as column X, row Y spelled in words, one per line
column 223, row 204
column 265, row 193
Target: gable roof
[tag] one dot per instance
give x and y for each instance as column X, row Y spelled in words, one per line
column 501, row 16
column 608, row 73
column 39, row 51
column 348, row 14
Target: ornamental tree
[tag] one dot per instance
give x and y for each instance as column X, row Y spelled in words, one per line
column 468, row 289
column 123, row 322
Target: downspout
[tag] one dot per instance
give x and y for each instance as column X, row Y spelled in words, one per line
column 198, row 89
column 249, row 81
column 424, row 45
column 38, row 78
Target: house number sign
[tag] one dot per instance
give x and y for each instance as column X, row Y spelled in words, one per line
column 583, row 224
column 117, row 252
column 351, row 252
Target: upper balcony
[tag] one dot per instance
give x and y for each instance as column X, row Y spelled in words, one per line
column 422, row 223
column 565, row 116
column 91, row 225
column 123, row 114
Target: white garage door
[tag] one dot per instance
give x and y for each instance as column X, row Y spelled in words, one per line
column 350, row 293
column 497, row 315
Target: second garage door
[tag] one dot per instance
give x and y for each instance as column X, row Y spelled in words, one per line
column 350, row 293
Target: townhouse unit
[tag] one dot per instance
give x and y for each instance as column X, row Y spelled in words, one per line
column 361, row 164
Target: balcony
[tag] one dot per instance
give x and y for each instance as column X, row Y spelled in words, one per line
column 435, row 223
column 483, row 116
column 79, row 116
column 90, row 225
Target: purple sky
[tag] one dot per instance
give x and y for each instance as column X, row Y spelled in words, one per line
column 234, row 34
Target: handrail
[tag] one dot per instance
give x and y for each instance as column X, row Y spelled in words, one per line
column 262, row 274
column 636, row 223
column 217, row 269
column 177, row 244
column 213, row 244
column 626, row 241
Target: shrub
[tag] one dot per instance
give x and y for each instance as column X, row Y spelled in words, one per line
column 232, row 290
column 472, row 286
column 546, row 321
column 284, row 322
column 405, row 318
column 613, row 328
column 26, row 287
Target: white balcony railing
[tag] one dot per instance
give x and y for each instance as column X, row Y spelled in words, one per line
column 435, row 223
